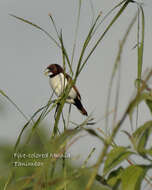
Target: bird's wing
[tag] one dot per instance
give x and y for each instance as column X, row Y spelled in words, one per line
column 75, row 88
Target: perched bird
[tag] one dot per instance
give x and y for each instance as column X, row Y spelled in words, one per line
column 58, row 81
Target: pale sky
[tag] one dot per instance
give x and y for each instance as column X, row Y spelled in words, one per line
column 26, row 52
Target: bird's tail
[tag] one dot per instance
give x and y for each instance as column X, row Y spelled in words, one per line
column 80, row 107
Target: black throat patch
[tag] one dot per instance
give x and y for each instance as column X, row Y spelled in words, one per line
column 53, row 75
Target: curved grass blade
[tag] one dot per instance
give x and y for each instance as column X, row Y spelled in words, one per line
column 93, row 133
column 64, row 52
column 133, row 175
column 114, row 132
column 25, row 126
column 88, row 157
column 41, row 117
column 139, row 98
column 104, row 33
column 104, row 18
column 149, row 104
column 31, row 119
column 36, row 26
column 140, row 132
column 87, row 40
column 115, row 66
column 15, row 105
column 76, row 32
column 140, row 44
column 55, row 27
column 117, row 155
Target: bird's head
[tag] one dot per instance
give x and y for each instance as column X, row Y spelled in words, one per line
column 53, row 69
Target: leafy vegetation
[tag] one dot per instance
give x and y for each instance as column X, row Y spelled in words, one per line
column 39, row 161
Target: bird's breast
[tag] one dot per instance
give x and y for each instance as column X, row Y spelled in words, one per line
column 58, row 83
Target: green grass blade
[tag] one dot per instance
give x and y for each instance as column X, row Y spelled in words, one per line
column 14, row 104
column 64, row 54
column 41, row 117
column 133, row 175
column 36, row 26
column 140, row 43
column 105, row 32
column 55, row 27
column 88, row 157
column 76, row 32
column 44, row 108
column 139, row 98
column 85, row 45
column 25, row 126
column 20, row 135
column 93, row 133
column 117, row 155
column 115, row 66
column 104, row 18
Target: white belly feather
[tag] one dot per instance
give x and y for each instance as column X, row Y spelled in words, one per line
column 58, row 83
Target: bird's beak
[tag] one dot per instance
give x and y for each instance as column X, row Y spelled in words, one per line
column 46, row 72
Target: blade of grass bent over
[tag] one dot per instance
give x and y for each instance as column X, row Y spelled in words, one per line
column 36, row 26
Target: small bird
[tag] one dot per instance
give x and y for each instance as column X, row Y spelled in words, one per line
column 58, row 81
